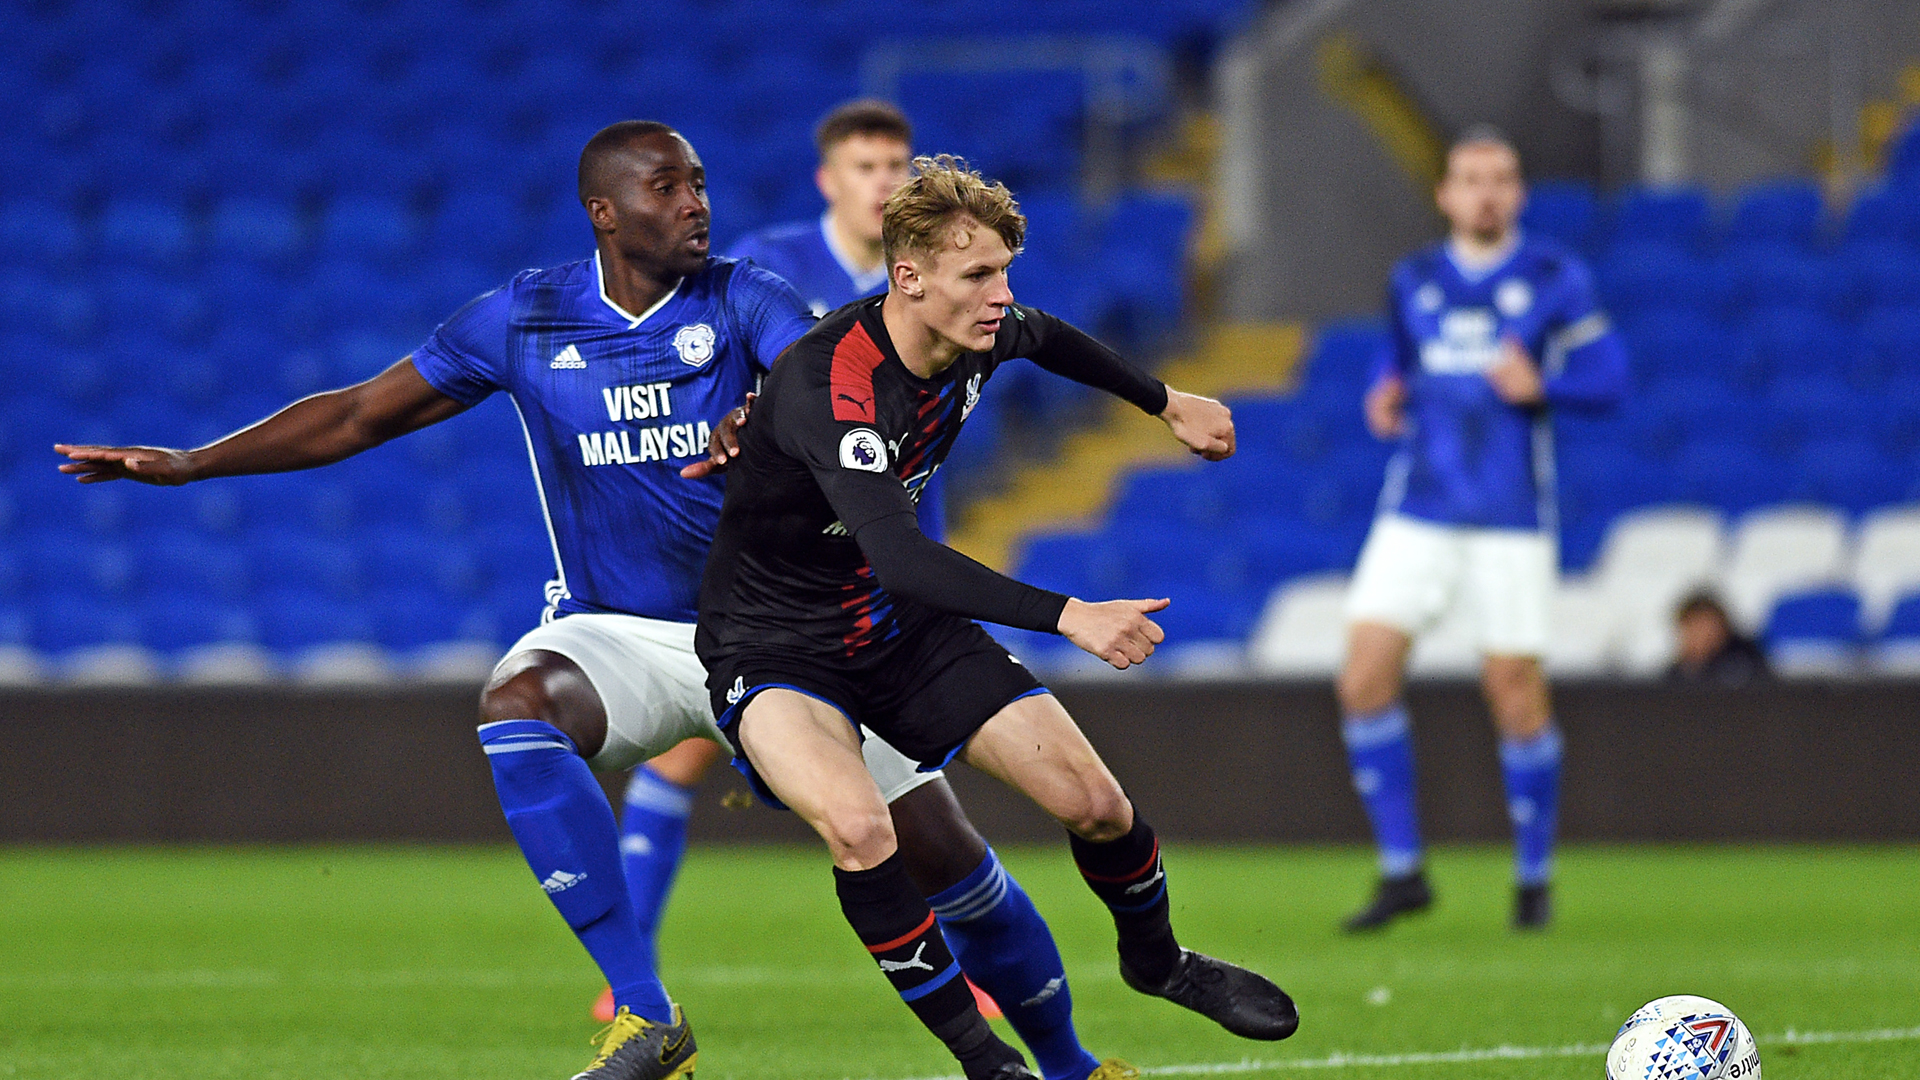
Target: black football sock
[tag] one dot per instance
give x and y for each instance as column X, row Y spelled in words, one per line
column 1126, row 875
column 898, row 928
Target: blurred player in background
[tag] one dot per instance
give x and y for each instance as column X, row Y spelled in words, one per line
column 825, row 612
column 1491, row 330
column 619, row 366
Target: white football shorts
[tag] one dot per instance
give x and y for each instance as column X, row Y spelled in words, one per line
column 655, row 692
column 1412, row 572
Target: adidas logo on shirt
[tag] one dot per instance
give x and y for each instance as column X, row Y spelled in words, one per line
column 568, row 358
column 560, row 881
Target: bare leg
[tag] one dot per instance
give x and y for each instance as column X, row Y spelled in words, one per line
column 1035, row 746
column 809, row 755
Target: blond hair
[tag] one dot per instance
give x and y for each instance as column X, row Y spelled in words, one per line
column 920, row 216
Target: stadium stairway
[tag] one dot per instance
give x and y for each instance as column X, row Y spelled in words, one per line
column 1076, row 483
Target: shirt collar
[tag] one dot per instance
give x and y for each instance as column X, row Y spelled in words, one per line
column 1474, row 270
column 865, row 281
column 600, row 278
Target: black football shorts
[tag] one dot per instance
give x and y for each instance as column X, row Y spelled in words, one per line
column 925, row 691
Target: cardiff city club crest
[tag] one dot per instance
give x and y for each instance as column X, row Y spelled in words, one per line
column 694, row 344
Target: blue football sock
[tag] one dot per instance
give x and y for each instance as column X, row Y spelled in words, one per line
column 1380, row 748
column 653, row 836
column 1004, row 946
column 565, row 828
column 1531, row 768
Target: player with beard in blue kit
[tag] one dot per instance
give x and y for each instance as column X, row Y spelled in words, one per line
column 1492, row 332
column 620, row 366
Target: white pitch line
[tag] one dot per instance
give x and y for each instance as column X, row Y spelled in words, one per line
column 1491, row 1053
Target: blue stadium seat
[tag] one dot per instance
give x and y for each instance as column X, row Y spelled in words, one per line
column 1849, row 472
column 368, row 227
column 1775, row 277
column 1814, row 406
column 1599, row 481
column 293, row 618
column 193, row 563
column 1733, row 477
column 286, row 558
column 408, row 618
column 1677, row 408
column 1903, row 625
column 1887, row 349
column 148, row 231
column 1346, row 352
column 41, row 233
column 1673, row 215
column 1200, row 614
column 1779, row 211
column 1649, row 275
column 1677, row 343
column 1078, row 564
column 1885, row 274
column 1793, row 341
column 1827, row 618
column 481, row 224
column 179, row 619
column 1565, row 210
column 1889, row 212
column 64, row 622
column 1183, row 495
column 257, row 228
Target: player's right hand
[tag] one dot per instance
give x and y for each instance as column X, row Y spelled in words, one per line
column 723, row 445
column 1386, row 408
column 147, row 464
column 1117, row 631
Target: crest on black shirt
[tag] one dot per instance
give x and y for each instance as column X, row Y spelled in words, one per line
column 863, row 449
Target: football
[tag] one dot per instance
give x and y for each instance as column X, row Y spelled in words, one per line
column 1683, row 1038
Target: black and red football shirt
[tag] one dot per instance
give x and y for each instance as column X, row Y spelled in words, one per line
column 818, row 549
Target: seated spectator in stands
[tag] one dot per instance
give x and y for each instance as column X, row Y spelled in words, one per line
column 1712, row 652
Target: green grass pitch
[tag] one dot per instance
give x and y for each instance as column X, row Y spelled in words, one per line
column 428, row 962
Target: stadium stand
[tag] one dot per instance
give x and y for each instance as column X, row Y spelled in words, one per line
column 1768, row 450
column 252, row 203
column 243, row 204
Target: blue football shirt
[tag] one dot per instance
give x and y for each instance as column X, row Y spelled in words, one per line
column 1468, row 457
column 801, row 253
column 613, row 405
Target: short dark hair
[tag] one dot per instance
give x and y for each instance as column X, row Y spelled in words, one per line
column 1702, row 602
column 865, row 116
column 1482, row 134
column 596, row 158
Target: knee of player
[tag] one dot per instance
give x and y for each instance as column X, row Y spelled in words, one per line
column 859, row 837
column 1101, row 812
column 518, row 698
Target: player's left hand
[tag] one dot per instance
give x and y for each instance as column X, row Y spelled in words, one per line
column 723, row 445
column 1205, row 425
column 1515, row 377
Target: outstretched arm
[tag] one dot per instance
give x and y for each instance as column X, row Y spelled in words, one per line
column 317, row 430
column 1203, row 424
column 911, row 565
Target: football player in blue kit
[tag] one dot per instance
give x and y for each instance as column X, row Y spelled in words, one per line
column 619, row 366
column 1492, row 331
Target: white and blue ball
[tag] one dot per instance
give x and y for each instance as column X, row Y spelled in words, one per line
column 1683, row 1038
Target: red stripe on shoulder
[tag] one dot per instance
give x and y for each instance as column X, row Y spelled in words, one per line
column 853, row 362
